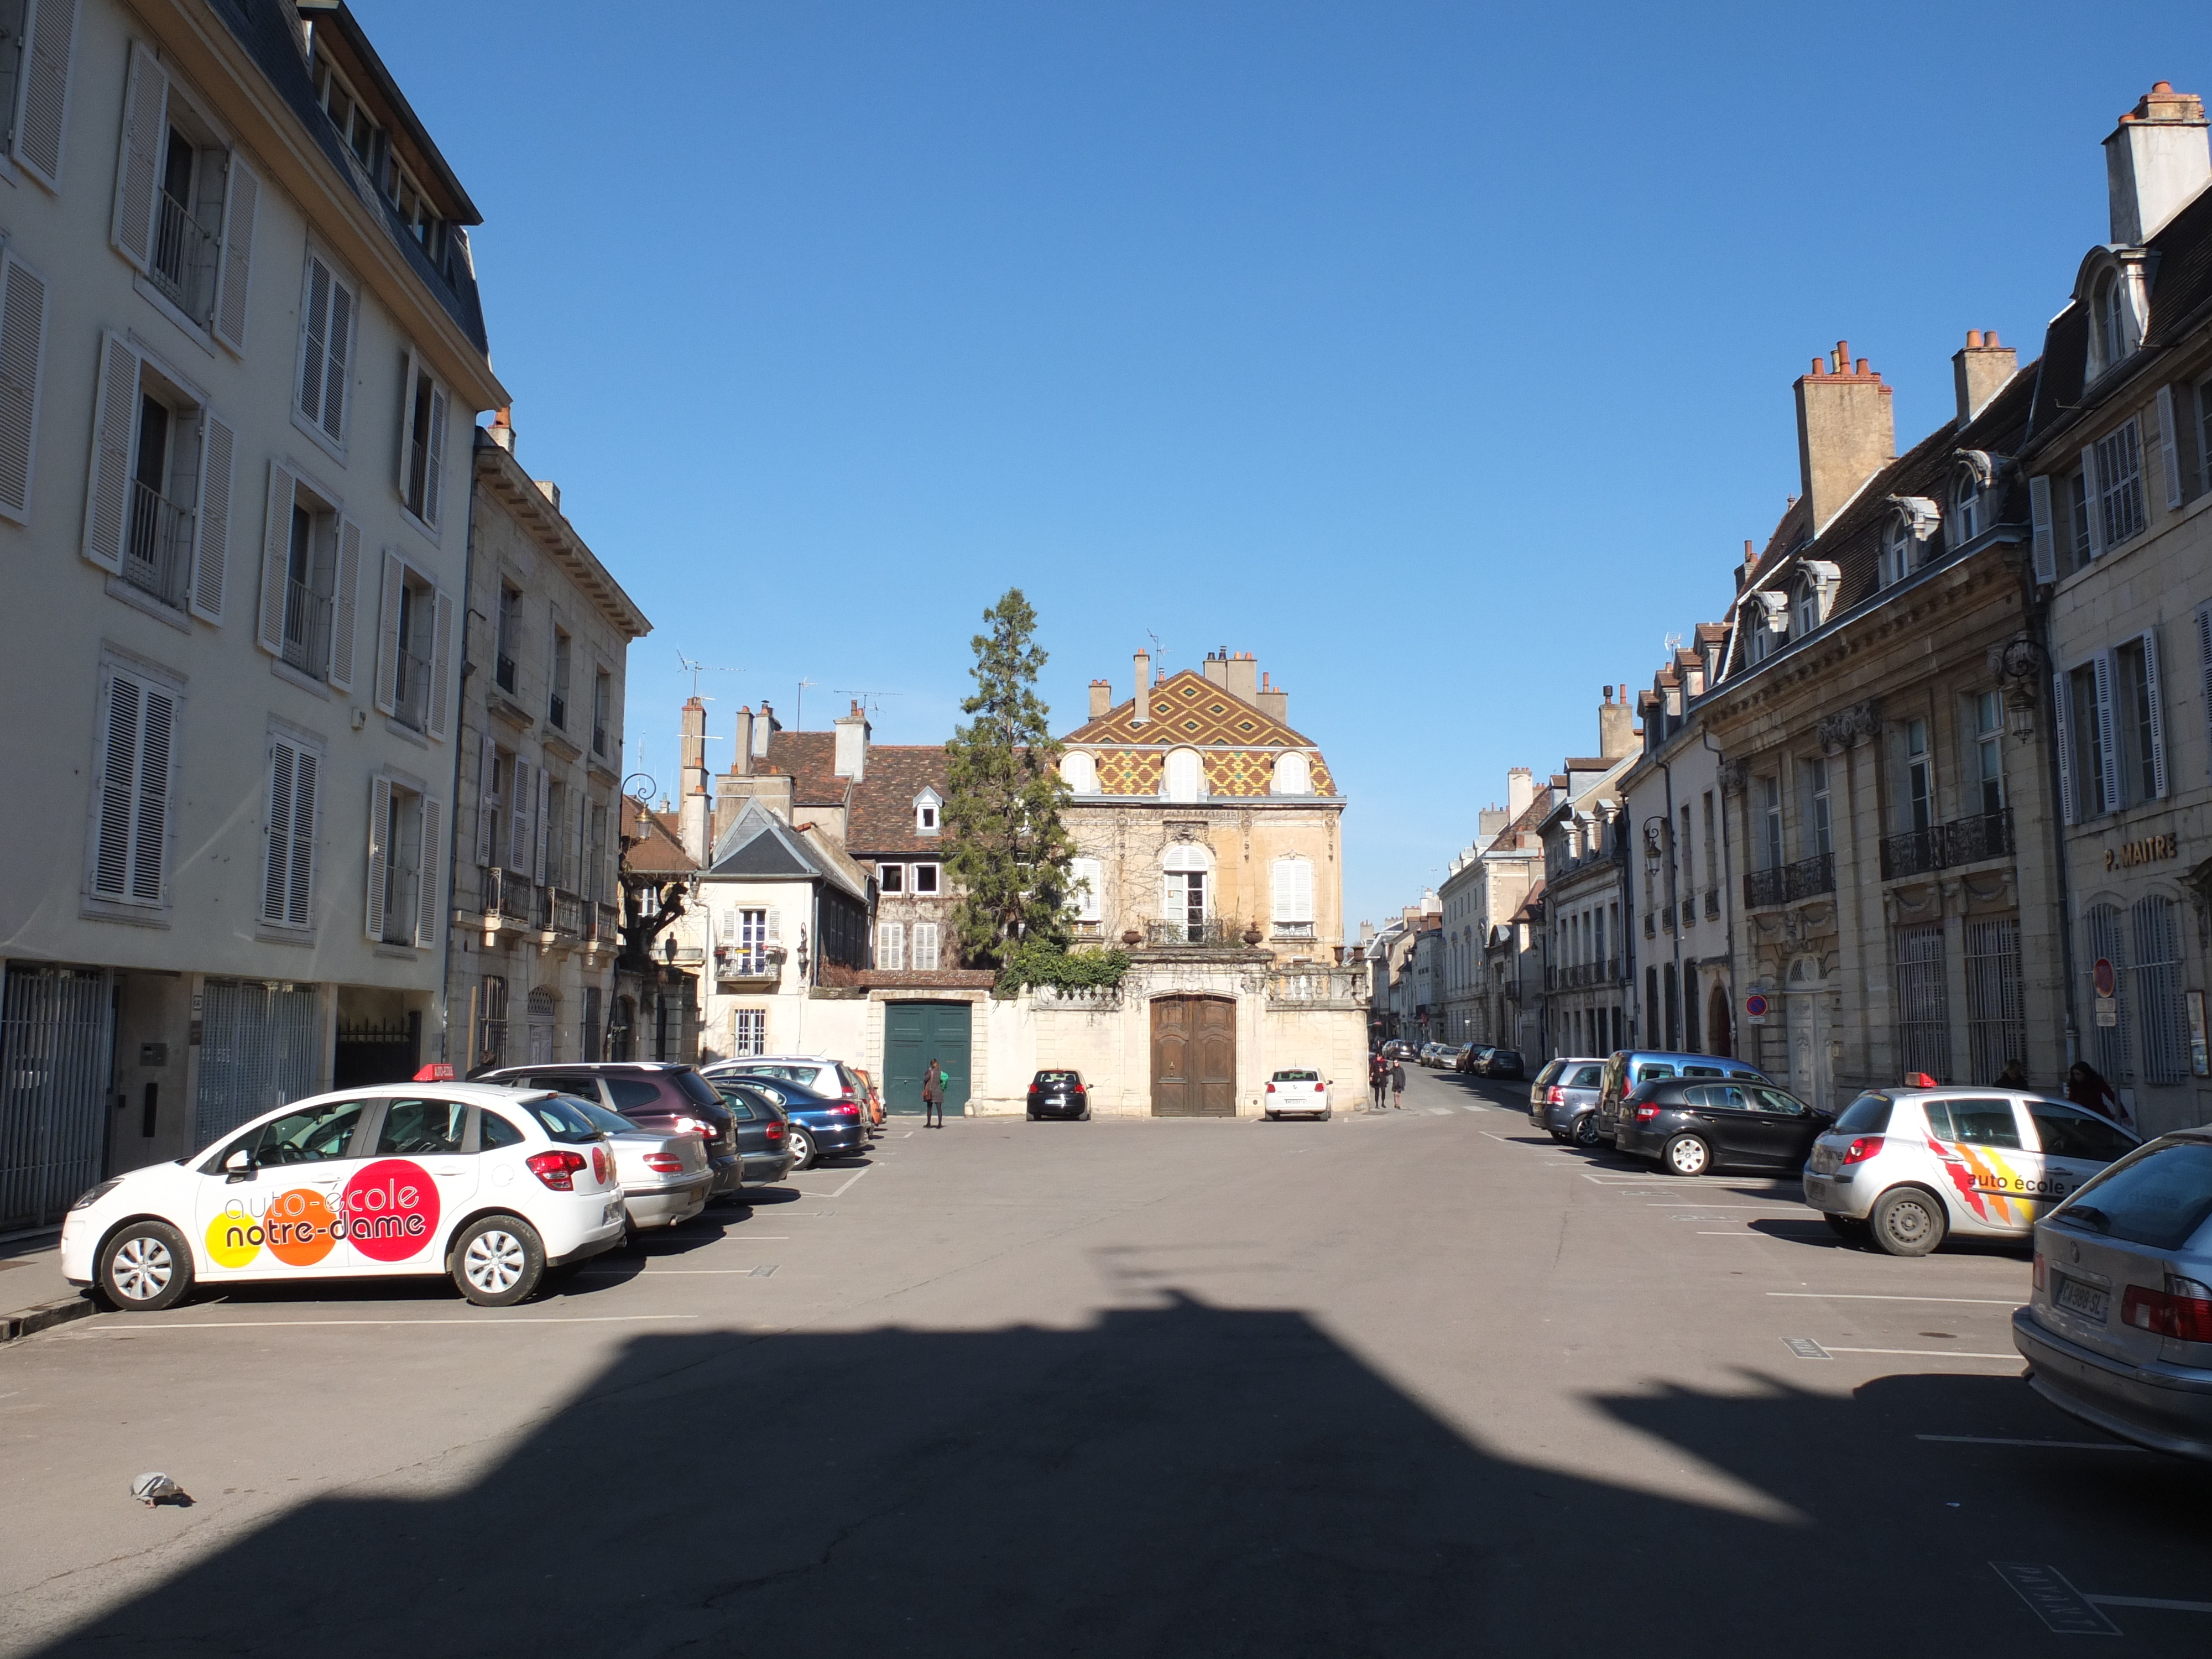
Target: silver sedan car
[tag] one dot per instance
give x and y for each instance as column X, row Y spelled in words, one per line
column 2119, row 1330
column 1563, row 1099
column 665, row 1177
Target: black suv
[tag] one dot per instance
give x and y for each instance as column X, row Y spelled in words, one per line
column 651, row 1094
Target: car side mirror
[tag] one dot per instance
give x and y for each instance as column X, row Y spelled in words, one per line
column 240, row 1165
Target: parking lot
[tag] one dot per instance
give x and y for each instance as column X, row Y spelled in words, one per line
column 1420, row 1383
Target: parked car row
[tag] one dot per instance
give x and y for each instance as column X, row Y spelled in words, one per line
column 1478, row 1059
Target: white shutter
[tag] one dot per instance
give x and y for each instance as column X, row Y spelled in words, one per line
column 543, row 819
column 42, row 120
column 339, row 349
column 441, row 677
column 276, row 561
column 726, row 927
column 150, row 834
column 429, row 903
column 1282, row 885
column 393, row 590
column 344, row 605
column 892, row 946
column 2169, row 439
column 115, row 418
column 434, row 485
column 1302, row 904
column 925, row 946
column 145, row 126
column 520, row 839
column 380, row 817
column 2204, row 669
column 212, row 537
column 306, row 778
column 276, row 856
column 774, row 927
column 2038, row 510
column 1086, row 877
column 2157, row 715
column 241, row 202
column 2093, row 499
column 2062, row 711
column 119, row 782
column 2107, row 738
column 409, row 366
column 487, row 799
column 314, row 335
column 22, row 356
column 579, row 857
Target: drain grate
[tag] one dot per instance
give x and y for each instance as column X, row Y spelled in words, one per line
column 1806, row 1348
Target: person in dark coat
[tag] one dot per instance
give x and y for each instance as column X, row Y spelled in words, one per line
column 1379, row 1079
column 933, row 1097
column 2086, row 1088
column 2014, row 1076
column 1398, row 1086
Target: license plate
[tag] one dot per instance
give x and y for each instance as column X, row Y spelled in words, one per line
column 2084, row 1299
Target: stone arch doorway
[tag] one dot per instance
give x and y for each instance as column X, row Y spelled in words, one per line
column 1719, row 1024
column 1193, row 1057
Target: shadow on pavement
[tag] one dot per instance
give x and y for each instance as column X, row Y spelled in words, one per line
column 1184, row 1479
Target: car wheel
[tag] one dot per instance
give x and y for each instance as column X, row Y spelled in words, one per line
column 1586, row 1133
column 1907, row 1221
column 1327, row 1112
column 1851, row 1229
column 1687, row 1155
column 146, row 1267
column 498, row 1260
column 1274, row 1117
column 1086, row 1118
column 802, row 1144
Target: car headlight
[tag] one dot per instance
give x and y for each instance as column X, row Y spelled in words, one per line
column 93, row 1195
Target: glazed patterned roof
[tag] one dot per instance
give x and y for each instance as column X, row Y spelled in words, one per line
column 1237, row 744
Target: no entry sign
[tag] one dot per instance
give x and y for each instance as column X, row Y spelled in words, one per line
column 2106, row 981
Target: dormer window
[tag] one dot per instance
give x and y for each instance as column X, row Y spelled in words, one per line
column 1965, row 511
column 1079, row 772
column 1183, row 777
column 1292, row 776
column 2108, row 318
column 928, row 812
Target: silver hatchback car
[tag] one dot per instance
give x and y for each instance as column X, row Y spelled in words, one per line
column 1563, row 1099
column 1906, row 1168
column 2119, row 1332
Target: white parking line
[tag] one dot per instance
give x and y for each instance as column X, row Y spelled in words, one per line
column 463, row 1323
column 1732, row 1232
column 1926, row 1354
column 1691, row 1204
column 1871, row 1296
column 1439, row 1111
column 2147, row 1600
column 2055, row 1446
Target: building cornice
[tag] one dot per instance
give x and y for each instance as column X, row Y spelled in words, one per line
column 502, row 477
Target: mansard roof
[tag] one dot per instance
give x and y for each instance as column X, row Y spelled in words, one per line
column 1187, row 709
column 757, row 844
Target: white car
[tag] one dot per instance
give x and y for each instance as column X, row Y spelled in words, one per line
column 490, row 1185
column 1296, row 1094
column 1906, row 1167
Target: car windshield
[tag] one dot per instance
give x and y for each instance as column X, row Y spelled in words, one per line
column 1866, row 1115
column 1298, row 1077
column 612, row 1123
column 563, row 1118
column 2159, row 1197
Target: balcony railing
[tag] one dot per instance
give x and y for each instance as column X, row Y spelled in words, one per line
column 1318, row 987
column 508, row 895
column 1292, row 929
column 411, row 690
column 399, row 888
column 307, row 628
column 1789, row 882
column 568, row 911
column 158, row 554
column 599, row 739
column 1217, row 930
column 606, row 924
column 184, row 257
column 556, row 711
column 1651, row 925
column 1962, row 841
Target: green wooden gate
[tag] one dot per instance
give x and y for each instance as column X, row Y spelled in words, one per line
column 915, row 1033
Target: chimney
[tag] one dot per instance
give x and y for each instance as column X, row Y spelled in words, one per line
column 1244, row 676
column 1520, row 792
column 764, row 728
column 1846, row 432
column 503, row 428
column 1490, row 824
column 549, row 490
column 2155, row 161
column 1616, row 734
column 1367, row 932
column 691, row 816
column 1215, row 669
column 1980, row 370
column 1273, row 701
column 1101, row 698
column 852, row 760
column 1144, row 663
column 743, row 763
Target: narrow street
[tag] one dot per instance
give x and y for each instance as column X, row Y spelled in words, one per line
column 1427, row 1383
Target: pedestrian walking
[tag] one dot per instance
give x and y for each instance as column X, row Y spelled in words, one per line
column 1378, row 1079
column 933, row 1097
column 1398, row 1086
column 2086, row 1088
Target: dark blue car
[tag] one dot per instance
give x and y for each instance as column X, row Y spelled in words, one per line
column 819, row 1127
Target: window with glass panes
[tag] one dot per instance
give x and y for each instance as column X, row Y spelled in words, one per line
column 1989, row 752
column 1919, row 777
column 1770, row 817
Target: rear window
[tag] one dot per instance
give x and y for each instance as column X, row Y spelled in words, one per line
column 1586, row 1077
column 2068, row 1133
column 1650, row 1068
column 1057, row 1079
column 1298, row 1077
column 1511, row 1056
column 1552, row 1069
column 696, row 1089
column 563, row 1119
column 1866, row 1115
column 631, row 1092
column 2160, row 1197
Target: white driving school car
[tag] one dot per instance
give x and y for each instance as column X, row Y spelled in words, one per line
column 1295, row 1093
column 490, row 1185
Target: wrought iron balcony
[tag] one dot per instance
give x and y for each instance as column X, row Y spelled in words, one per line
column 157, row 554
column 183, row 263
column 503, row 672
column 1218, row 932
column 568, row 913
column 1962, row 841
column 1785, row 882
column 307, row 628
column 411, row 688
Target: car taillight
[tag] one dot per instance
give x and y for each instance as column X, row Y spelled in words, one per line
column 664, row 1163
column 1555, row 1096
column 2037, row 1270
column 556, row 1169
column 845, row 1111
column 1077, row 1091
column 1271, row 1088
column 691, row 1126
column 2183, row 1311
column 1645, row 1114
column 1861, row 1148
column 775, row 1130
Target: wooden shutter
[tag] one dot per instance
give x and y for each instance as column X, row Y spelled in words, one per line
column 114, row 419
column 542, row 817
column 240, row 203
column 2107, row 742
column 150, row 834
column 2204, row 669
column 409, row 366
column 339, row 348
column 2093, row 499
column 379, row 818
column 307, row 790
column 277, row 855
column 22, row 359
column 1282, row 885
column 434, row 486
column 428, row 891
column 393, row 592
column 145, row 128
column 441, row 677
column 276, row 561
column 345, row 603
column 314, row 335
column 211, row 536
column 925, row 945
column 2157, row 713
column 775, row 925
column 893, row 949
column 42, row 118
column 2062, row 713
column 2169, row 436
column 119, row 779
column 520, row 839
column 486, row 796
column 2046, row 548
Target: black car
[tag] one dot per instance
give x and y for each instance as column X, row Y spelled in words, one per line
column 651, row 1094
column 1692, row 1126
column 1504, row 1062
column 763, row 1129
column 817, row 1125
column 1058, row 1094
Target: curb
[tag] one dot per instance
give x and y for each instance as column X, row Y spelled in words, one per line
column 24, row 1321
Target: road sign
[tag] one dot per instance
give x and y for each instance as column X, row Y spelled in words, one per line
column 1754, row 1008
column 2102, row 976
column 2108, row 1010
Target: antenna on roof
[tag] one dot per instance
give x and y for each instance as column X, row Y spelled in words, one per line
column 1160, row 652
column 695, row 669
column 1674, row 644
column 799, row 710
column 873, row 701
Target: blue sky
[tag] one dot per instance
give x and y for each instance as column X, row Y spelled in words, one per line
column 1439, row 354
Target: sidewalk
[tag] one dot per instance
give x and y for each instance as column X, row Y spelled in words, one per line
column 33, row 1294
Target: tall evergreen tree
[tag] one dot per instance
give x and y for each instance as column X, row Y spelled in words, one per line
column 1007, row 848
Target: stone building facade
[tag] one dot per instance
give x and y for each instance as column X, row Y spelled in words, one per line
column 1587, row 903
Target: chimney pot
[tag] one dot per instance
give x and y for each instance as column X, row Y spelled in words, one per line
column 1846, row 433
column 1974, row 338
column 2156, row 160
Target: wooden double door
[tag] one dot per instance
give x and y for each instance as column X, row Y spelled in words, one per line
column 915, row 1033
column 1193, row 1057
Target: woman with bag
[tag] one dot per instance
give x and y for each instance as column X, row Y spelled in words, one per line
column 933, row 1097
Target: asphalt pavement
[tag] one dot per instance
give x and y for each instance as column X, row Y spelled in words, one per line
column 1418, row 1383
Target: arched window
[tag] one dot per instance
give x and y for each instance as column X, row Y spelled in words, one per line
column 2109, row 319
column 1294, row 897
column 1079, row 772
column 1184, row 778
column 1186, row 891
column 1896, row 551
column 1293, row 775
column 1965, row 511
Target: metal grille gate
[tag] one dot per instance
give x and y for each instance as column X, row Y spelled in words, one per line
column 1996, row 1026
column 57, row 1034
column 1923, row 1015
column 258, row 1047
column 2107, row 943
column 2157, row 975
